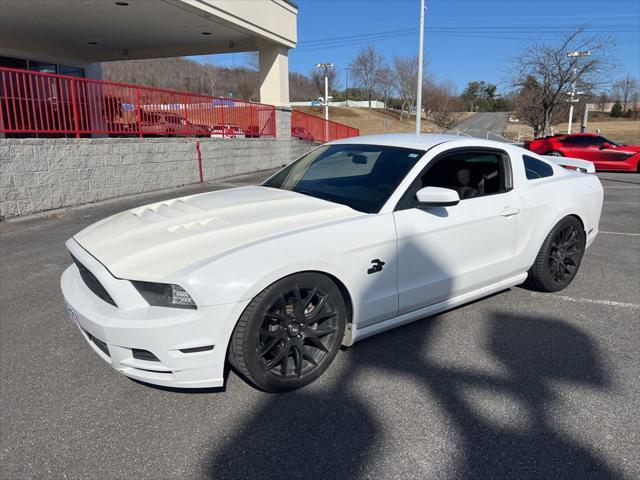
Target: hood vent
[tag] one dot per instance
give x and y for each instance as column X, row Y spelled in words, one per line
column 165, row 210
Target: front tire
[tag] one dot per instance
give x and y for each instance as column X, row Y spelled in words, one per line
column 289, row 333
column 559, row 257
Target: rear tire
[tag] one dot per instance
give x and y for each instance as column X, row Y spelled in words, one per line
column 555, row 153
column 289, row 333
column 559, row 257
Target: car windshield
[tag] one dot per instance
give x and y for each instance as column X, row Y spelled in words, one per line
column 362, row 177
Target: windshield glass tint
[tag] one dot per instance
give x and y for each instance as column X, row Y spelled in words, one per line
column 362, row 177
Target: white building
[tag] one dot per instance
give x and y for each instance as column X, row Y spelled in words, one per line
column 71, row 37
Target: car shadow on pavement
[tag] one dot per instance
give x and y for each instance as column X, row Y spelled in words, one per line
column 333, row 433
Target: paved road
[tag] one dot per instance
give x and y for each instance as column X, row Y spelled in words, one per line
column 519, row 385
column 482, row 122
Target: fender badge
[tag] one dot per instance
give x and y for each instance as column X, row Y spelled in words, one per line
column 376, row 267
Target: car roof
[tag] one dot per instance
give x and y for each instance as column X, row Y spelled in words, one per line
column 564, row 135
column 424, row 141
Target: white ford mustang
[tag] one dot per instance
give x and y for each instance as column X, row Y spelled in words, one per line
column 356, row 237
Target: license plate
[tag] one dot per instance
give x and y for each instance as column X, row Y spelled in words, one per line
column 72, row 314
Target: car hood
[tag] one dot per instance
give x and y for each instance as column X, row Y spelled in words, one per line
column 157, row 240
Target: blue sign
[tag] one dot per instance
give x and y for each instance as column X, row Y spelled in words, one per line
column 224, row 102
column 315, row 103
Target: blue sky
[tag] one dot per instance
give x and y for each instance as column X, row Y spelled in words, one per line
column 464, row 39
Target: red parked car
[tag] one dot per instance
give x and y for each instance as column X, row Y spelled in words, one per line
column 605, row 154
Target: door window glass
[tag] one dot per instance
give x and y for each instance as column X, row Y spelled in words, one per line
column 471, row 174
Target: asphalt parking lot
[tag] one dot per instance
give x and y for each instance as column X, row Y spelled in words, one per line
column 518, row 385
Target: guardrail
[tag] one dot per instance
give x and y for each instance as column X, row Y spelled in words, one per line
column 45, row 103
column 316, row 129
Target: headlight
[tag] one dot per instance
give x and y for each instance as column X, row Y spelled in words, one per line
column 164, row 295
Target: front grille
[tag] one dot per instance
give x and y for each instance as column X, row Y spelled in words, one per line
column 99, row 343
column 92, row 283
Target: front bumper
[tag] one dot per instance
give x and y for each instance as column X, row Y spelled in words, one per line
column 117, row 333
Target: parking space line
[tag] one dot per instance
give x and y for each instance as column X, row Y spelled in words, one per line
column 624, row 203
column 621, row 233
column 621, row 186
column 608, row 303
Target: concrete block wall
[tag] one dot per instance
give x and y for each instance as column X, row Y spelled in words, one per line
column 44, row 174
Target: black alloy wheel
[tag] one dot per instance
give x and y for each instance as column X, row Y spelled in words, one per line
column 289, row 333
column 564, row 254
column 559, row 257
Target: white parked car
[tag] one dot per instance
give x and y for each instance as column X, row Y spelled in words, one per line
column 356, row 237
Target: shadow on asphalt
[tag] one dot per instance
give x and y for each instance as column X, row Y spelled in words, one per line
column 332, row 434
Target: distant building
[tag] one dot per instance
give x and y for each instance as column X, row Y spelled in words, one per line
column 606, row 107
column 352, row 103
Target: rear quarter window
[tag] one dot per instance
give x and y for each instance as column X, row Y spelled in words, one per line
column 535, row 168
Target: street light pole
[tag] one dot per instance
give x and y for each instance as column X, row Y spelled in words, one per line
column 420, row 55
column 326, row 66
column 574, row 59
column 325, row 100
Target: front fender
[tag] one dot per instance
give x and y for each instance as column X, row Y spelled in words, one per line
column 344, row 251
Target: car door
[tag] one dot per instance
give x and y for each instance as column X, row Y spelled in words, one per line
column 449, row 251
column 578, row 146
column 605, row 155
column 594, row 148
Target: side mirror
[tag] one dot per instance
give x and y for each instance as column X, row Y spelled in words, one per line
column 605, row 145
column 437, row 197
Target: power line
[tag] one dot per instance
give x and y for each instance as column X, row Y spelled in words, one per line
column 495, row 30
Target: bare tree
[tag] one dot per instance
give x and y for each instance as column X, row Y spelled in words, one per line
column 531, row 111
column 623, row 90
column 301, row 87
column 386, row 84
column 544, row 73
column 441, row 103
column 405, row 71
column 603, row 101
column 366, row 70
column 317, row 77
column 246, row 84
column 210, row 73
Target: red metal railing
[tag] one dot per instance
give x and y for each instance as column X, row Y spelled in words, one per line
column 45, row 103
column 316, row 129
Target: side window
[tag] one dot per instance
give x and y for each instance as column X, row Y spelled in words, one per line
column 471, row 174
column 584, row 141
column 535, row 168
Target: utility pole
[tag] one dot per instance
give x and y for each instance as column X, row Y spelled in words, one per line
column 325, row 101
column 346, row 90
column 585, row 115
column 574, row 95
column 420, row 55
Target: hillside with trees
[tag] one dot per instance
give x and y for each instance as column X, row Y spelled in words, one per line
column 206, row 78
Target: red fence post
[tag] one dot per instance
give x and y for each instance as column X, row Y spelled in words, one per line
column 222, row 118
column 199, row 161
column 139, row 110
column 75, row 108
column 186, row 115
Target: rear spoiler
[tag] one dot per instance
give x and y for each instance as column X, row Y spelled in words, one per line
column 573, row 163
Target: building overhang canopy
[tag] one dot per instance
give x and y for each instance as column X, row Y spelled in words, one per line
column 104, row 30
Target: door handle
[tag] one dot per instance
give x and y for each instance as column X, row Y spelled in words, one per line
column 509, row 211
